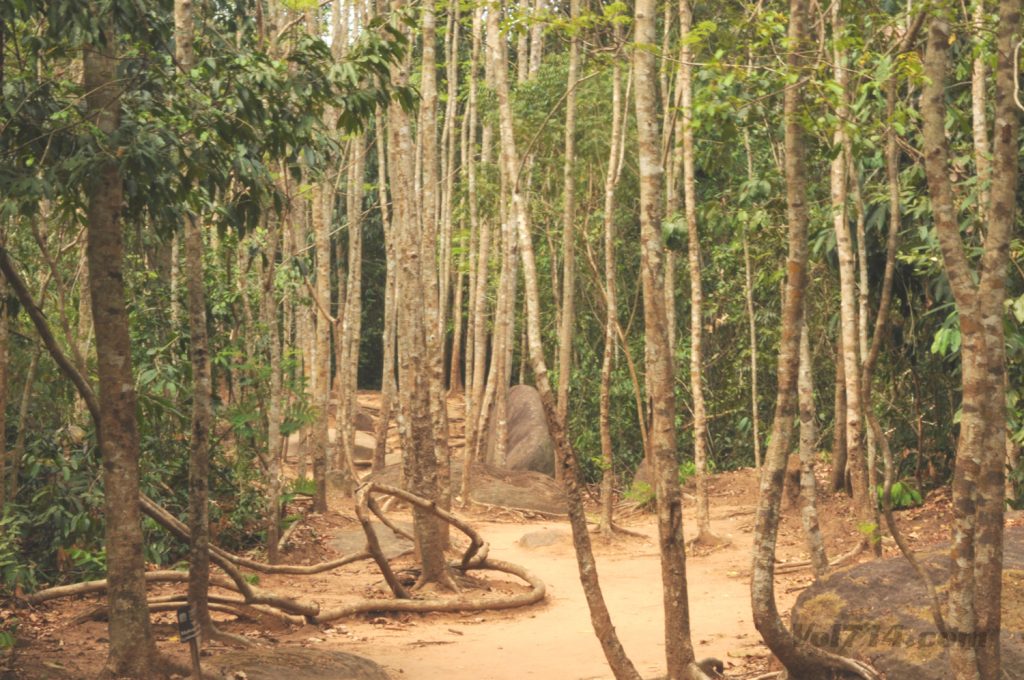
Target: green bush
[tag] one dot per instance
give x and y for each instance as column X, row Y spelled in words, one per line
column 902, row 494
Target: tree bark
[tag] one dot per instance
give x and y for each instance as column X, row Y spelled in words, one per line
column 4, row 369
column 748, row 295
column 975, row 587
column 568, row 313
column 387, row 380
column 658, row 356
column 808, row 441
column 611, row 301
column 863, row 494
column 839, row 479
column 416, row 418
column 351, row 319
column 202, row 383
column 620, row 664
column 433, row 309
column 800, row 659
column 132, row 651
column 700, row 421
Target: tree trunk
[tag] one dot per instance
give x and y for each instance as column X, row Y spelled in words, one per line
column 568, row 313
column 351, row 320
column 275, row 449
column 611, row 301
column 863, row 494
column 18, row 453
column 839, row 479
column 975, row 587
column 808, row 440
column 202, row 383
column 700, row 422
column 4, row 369
column 416, row 423
column 801, row 659
column 658, row 357
column 433, row 309
column 132, row 650
column 620, row 664
column 387, row 379
column 478, row 308
column 748, row 295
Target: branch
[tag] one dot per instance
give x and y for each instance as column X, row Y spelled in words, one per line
column 52, row 346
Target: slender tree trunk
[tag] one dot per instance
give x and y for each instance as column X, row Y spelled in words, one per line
column 611, row 299
column 700, row 422
column 979, row 117
column 748, row 294
column 432, row 307
column 275, row 449
column 18, row 453
column 808, row 441
column 351, row 319
column 4, row 369
column 132, row 650
column 839, row 479
column 568, row 313
column 537, row 38
column 478, row 308
column 387, row 380
column 801, row 659
column 620, row 664
column 202, row 383
column 870, row 445
column 658, row 357
column 863, row 494
column 320, row 441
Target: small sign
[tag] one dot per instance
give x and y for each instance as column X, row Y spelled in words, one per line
column 186, row 626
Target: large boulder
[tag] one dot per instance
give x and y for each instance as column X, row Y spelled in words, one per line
column 292, row 663
column 530, row 446
column 879, row 611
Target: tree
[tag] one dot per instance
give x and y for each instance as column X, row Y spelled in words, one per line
column 975, row 587
column 132, row 649
column 800, row 658
column 658, row 353
column 202, row 382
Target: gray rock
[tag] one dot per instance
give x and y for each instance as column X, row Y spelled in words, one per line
column 530, row 446
column 542, row 538
column 353, row 540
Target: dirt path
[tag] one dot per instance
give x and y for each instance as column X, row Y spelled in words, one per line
column 555, row 640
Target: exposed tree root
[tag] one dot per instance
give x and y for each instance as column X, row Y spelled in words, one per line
column 616, row 528
column 455, row 604
column 257, row 602
column 373, row 545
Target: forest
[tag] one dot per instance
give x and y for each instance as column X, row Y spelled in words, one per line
column 309, row 309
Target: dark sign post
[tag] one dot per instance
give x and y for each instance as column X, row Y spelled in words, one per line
column 188, row 632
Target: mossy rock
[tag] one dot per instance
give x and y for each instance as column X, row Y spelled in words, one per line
column 292, row 663
column 879, row 611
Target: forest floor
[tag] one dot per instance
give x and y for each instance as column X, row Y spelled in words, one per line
column 552, row 640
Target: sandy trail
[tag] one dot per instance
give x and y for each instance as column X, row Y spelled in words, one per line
column 555, row 640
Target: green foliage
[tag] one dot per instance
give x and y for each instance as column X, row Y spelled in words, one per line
column 302, row 486
column 902, row 496
column 640, row 493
